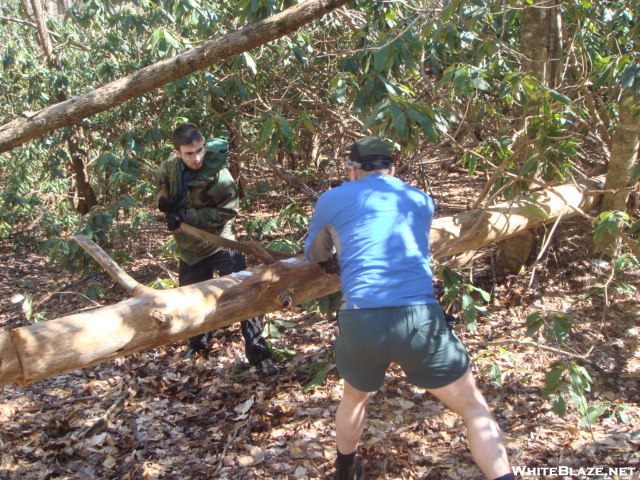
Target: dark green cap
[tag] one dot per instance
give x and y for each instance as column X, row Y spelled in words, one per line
column 370, row 153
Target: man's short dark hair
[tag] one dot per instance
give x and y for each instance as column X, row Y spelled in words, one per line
column 186, row 134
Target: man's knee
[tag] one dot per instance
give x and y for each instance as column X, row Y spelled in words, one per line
column 352, row 395
column 462, row 396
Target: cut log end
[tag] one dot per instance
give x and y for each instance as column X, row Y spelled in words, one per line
column 10, row 365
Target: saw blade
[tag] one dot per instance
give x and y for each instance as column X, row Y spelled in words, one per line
column 256, row 251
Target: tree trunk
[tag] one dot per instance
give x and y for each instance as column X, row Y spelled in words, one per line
column 28, row 10
column 33, row 125
column 147, row 321
column 62, row 6
column 156, row 318
column 624, row 153
column 43, row 34
column 541, row 43
column 478, row 228
column 85, row 197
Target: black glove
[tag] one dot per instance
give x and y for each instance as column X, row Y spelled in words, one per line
column 167, row 205
column 331, row 265
column 173, row 221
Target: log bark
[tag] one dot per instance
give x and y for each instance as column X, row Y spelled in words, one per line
column 33, row 125
column 50, row 348
column 161, row 317
column 478, row 228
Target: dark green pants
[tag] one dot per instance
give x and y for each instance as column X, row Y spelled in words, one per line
column 415, row 337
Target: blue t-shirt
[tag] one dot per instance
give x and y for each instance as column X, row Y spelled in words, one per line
column 379, row 226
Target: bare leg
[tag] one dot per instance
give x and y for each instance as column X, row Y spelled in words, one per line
column 483, row 433
column 350, row 418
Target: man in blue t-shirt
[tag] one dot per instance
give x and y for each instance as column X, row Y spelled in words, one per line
column 378, row 228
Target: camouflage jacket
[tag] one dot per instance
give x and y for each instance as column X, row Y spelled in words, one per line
column 210, row 204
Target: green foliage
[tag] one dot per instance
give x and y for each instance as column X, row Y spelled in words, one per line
column 316, row 373
column 292, row 219
column 557, row 325
column 280, row 354
column 27, row 307
column 571, row 379
column 610, row 223
column 273, row 327
column 163, row 284
column 329, row 305
column 619, row 411
column 94, row 291
column 457, row 291
column 635, row 174
column 259, row 227
column 491, row 368
column 394, row 61
column 621, row 225
column 285, row 245
column 102, row 226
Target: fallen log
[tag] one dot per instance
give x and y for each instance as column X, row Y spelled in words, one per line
column 475, row 229
column 158, row 318
column 155, row 318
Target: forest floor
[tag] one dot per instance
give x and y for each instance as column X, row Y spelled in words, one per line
column 154, row 415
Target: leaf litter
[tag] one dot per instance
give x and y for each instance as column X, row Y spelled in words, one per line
column 154, row 415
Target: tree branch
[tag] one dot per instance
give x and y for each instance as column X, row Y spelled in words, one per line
column 29, row 24
column 73, row 110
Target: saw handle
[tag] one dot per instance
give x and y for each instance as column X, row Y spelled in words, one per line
column 165, row 203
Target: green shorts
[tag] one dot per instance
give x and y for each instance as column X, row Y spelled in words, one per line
column 415, row 337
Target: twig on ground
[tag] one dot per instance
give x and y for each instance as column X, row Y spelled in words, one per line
column 51, row 294
column 226, row 447
column 544, row 249
column 582, row 358
column 295, row 182
column 605, row 307
column 101, row 424
column 169, row 273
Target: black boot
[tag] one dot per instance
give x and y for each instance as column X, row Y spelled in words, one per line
column 347, row 468
column 197, row 344
column 356, row 472
column 267, row 367
column 255, row 346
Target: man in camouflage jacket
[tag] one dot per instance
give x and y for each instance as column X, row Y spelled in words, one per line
column 196, row 187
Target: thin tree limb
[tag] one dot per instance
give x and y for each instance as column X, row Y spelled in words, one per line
column 546, row 348
column 29, row 24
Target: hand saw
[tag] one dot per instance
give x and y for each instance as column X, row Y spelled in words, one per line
column 252, row 249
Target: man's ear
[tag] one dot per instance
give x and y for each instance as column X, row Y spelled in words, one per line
column 177, row 153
